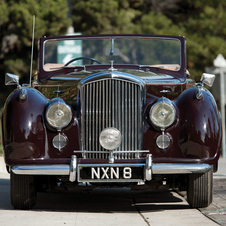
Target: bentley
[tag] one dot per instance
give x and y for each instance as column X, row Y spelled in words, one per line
column 111, row 111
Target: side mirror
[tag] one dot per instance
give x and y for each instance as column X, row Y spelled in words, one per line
column 11, row 79
column 207, row 79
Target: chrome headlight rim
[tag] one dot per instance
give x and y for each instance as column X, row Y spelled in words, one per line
column 58, row 102
column 166, row 101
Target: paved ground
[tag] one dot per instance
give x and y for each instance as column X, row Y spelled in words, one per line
column 217, row 210
column 221, row 173
column 114, row 207
column 108, row 207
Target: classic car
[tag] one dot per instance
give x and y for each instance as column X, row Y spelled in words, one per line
column 111, row 111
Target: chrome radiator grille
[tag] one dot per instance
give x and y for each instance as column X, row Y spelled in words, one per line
column 111, row 103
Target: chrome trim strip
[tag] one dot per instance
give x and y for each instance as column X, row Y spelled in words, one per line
column 41, row 169
column 114, row 152
column 110, row 36
column 157, row 168
column 179, row 168
column 111, row 180
column 116, row 75
column 112, row 165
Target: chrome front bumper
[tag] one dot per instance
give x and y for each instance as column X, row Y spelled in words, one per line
column 149, row 168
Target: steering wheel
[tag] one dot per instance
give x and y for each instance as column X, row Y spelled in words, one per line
column 82, row 58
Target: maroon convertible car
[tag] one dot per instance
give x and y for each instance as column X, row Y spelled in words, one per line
column 111, row 110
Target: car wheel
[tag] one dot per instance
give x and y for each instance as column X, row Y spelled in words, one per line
column 200, row 189
column 23, row 192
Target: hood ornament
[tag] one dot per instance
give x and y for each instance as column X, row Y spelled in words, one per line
column 112, row 67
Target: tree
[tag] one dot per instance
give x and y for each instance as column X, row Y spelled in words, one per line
column 201, row 22
column 98, row 17
column 16, row 33
column 204, row 26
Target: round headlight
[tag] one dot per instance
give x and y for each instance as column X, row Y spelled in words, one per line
column 163, row 113
column 58, row 115
column 110, row 138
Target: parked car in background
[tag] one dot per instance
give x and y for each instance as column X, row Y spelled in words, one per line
column 111, row 110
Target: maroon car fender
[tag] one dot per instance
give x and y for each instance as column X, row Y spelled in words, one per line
column 23, row 127
column 195, row 135
column 200, row 125
column 27, row 139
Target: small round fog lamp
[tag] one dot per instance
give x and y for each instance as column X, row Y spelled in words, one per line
column 163, row 141
column 59, row 142
column 110, row 138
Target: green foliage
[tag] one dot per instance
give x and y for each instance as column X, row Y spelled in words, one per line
column 157, row 23
column 16, row 34
column 98, row 17
column 201, row 22
column 3, row 12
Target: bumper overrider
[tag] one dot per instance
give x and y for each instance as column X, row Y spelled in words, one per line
column 111, row 172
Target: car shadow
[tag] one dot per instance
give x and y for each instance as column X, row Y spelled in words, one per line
column 110, row 200
column 99, row 200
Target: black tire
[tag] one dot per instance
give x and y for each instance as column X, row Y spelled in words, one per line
column 200, row 189
column 23, row 192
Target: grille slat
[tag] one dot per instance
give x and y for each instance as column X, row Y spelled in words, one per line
column 99, row 112
column 111, row 103
column 90, row 116
column 126, row 119
column 123, row 117
column 132, row 113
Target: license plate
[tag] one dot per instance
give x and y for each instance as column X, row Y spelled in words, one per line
column 110, row 173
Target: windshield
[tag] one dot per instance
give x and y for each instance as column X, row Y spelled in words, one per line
column 164, row 53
